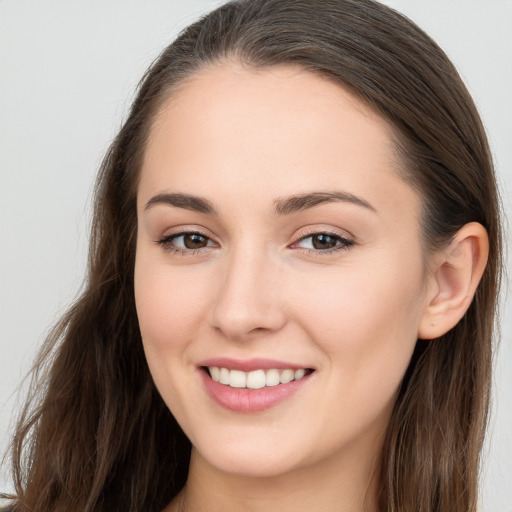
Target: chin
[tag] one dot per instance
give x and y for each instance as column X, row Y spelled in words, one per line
column 252, row 460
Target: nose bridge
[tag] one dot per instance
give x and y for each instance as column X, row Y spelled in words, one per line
column 248, row 295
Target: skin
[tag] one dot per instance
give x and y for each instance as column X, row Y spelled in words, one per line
column 243, row 139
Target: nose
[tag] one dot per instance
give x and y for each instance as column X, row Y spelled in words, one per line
column 249, row 299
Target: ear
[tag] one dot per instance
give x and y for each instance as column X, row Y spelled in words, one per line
column 455, row 275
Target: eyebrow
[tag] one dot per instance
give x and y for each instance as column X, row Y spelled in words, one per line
column 186, row 201
column 308, row 200
column 284, row 206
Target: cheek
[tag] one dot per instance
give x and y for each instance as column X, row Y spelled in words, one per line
column 168, row 304
column 366, row 320
column 366, row 325
column 168, row 309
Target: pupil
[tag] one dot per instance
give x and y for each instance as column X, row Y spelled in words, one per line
column 324, row 242
column 194, row 241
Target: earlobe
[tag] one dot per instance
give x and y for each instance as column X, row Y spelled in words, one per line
column 457, row 271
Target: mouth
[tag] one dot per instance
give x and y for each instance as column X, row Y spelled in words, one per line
column 253, row 386
column 256, row 379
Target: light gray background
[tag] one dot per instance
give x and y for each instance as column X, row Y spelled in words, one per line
column 68, row 70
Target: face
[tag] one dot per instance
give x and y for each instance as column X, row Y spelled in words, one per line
column 276, row 241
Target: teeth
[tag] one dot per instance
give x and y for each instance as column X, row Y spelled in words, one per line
column 237, row 379
column 272, row 377
column 286, row 376
column 215, row 373
column 224, row 376
column 256, row 379
column 299, row 374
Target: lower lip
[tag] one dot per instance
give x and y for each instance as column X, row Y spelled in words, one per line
column 250, row 400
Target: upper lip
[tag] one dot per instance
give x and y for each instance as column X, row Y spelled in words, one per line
column 249, row 365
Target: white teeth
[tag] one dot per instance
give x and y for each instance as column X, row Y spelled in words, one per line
column 256, row 379
column 286, row 376
column 237, row 379
column 299, row 374
column 215, row 373
column 272, row 378
column 224, row 376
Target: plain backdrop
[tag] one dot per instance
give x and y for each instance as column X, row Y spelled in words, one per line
column 68, row 70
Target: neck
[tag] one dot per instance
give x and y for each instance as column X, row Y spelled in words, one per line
column 349, row 485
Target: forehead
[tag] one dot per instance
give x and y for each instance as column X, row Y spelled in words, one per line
column 230, row 97
column 283, row 127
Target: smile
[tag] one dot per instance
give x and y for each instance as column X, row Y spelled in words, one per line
column 252, row 386
column 256, row 379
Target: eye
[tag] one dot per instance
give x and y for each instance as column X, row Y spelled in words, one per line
column 323, row 242
column 186, row 242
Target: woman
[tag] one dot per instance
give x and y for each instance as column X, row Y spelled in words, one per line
column 293, row 273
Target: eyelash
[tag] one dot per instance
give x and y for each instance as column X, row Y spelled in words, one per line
column 342, row 243
column 167, row 245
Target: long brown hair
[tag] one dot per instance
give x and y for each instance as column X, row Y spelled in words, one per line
column 96, row 436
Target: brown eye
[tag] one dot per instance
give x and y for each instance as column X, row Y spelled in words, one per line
column 188, row 241
column 194, row 241
column 322, row 241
